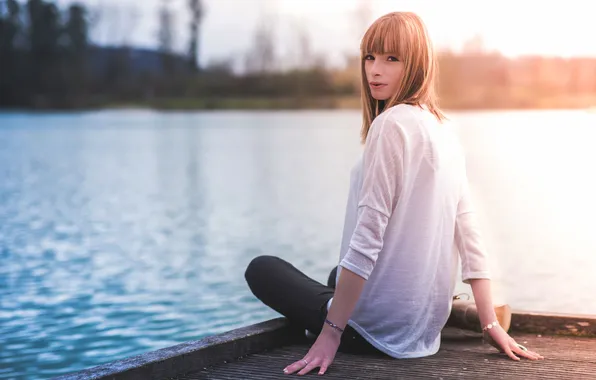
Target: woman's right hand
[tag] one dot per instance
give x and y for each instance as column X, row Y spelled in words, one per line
column 498, row 338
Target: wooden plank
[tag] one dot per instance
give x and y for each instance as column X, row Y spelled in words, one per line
column 215, row 350
column 464, row 315
column 462, row 356
column 554, row 324
column 183, row 358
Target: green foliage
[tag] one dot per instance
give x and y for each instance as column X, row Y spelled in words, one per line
column 47, row 61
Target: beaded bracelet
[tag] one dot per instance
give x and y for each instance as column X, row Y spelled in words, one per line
column 333, row 325
column 490, row 326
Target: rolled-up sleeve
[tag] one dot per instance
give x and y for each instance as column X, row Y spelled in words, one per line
column 474, row 258
column 381, row 184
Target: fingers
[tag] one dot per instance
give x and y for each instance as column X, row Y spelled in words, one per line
column 296, row 366
column 510, row 353
column 310, row 366
column 524, row 352
column 531, row 355
column 304, row 366
column 326, row 363
column 537, row 355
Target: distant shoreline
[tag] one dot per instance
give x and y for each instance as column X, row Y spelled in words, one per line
column 321, row 103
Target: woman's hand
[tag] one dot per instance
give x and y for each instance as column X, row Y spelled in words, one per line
column 499, row 339
column 321, row 354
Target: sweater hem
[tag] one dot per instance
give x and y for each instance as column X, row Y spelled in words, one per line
column 357, row 269
column 394, row 354
column 485, row 275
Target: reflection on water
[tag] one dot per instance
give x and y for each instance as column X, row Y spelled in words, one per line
column 124, row 232
column 533, row 178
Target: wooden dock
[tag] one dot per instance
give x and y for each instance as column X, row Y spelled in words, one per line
column 261, row 351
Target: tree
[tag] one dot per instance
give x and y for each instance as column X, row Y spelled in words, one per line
column 304, row 47
column 77, row 41
column 10, row 24
column 166, row 37
column 197, row 11
column 44, row 32
column 261, row 57
column 10, row 28
column 76, row 29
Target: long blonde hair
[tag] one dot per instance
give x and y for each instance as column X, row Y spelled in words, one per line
column 404, row 34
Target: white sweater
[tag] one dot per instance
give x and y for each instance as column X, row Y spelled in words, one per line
column 408, row 215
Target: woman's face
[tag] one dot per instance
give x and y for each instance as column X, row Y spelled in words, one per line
column 383, row 73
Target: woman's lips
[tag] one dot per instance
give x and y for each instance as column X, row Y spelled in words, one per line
column 377, row 85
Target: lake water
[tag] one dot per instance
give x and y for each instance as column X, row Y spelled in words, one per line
column 123, row 232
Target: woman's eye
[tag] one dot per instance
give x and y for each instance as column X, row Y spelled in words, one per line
column 369, row 57
column 393, row 59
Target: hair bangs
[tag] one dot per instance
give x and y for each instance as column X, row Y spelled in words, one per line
column 383, row 37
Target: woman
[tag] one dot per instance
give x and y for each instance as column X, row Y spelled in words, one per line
column 408, row 207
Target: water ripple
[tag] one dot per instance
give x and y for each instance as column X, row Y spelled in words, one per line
column 126, row 232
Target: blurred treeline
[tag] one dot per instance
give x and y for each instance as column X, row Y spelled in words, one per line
column 47, row 60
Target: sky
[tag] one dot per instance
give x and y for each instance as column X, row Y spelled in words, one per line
column 553, row 28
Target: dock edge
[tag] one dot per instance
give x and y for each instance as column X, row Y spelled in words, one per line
column 195, row 355
column 190, row 356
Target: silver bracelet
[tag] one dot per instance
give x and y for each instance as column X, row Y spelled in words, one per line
column 333, row 325
column 490, row 326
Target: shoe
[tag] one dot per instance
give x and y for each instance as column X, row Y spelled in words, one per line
column 309, row 335
column 465, row 315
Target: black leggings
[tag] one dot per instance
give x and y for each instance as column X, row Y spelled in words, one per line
column 302, row 300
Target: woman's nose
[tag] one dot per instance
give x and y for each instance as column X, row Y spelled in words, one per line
column 375, row 69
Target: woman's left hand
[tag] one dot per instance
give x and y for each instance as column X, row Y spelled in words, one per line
column 499, row 339
column 321, row 354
